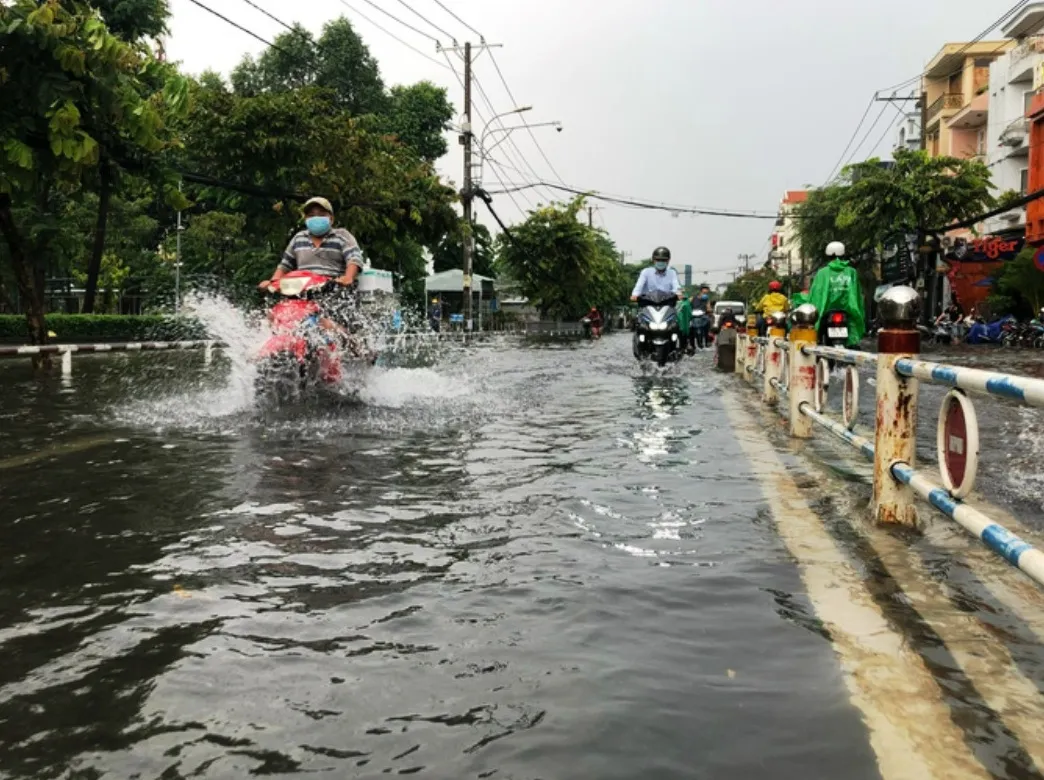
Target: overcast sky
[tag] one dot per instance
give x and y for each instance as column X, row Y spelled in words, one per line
column 707, row 103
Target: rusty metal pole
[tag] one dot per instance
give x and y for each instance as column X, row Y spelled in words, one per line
column 895, row 435
column 752, row 348
column 776, row 330
column 741, row 353
column 802, row 368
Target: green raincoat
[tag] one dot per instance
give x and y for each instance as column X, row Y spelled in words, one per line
column 799, row 299
column 684, row 311
column 836, row 287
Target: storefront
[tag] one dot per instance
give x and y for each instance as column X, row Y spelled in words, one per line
column 972, row 264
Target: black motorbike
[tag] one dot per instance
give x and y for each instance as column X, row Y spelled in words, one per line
column 656, row 335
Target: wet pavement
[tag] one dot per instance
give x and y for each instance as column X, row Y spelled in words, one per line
column 510, row 563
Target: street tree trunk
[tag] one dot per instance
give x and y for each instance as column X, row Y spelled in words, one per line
column 94, row 264
column 29, row 276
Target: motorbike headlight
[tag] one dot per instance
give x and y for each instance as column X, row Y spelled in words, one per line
column 657, row 326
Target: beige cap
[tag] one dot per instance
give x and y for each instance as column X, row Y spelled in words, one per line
column 322, row 203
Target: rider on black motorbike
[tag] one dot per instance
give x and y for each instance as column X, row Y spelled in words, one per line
column 836, row 289
column 658, row 278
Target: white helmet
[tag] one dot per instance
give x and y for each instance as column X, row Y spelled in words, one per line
column 835, row 249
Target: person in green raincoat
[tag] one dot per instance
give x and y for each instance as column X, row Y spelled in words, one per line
column 836, row 288
column 684, row 312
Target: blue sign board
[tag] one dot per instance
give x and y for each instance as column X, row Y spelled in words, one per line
column 457, row 318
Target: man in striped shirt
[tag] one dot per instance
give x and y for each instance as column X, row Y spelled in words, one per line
column 320, row 248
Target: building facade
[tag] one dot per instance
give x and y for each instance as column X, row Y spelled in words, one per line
column 908, row 132
column 786, row 256
column 1011, row 92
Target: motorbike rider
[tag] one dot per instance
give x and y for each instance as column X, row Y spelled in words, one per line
column 435, row 315
column 593, row 322
column 774, row 300
column 701, row 324
column 320, row 249
column 728, row 316
column 836, row 288
column 659, row 277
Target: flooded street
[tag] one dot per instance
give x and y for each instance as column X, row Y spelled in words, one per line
column 510, row 563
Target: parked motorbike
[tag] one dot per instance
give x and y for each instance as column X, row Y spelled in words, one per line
column 299, row 354
column 656, row 334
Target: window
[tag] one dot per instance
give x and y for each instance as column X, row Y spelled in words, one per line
column 1023, row 180
column 1027, row 98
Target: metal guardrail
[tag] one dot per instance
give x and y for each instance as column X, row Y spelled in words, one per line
column 795, row 371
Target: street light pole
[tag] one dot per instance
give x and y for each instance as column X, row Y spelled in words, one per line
column 177, row 264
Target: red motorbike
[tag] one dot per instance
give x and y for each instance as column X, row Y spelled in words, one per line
column 305, row 348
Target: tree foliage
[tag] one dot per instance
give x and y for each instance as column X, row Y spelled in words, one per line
column 75, row 97
column 563, row 266
column 1023, row 283
column 449, row 253
column 872, row 203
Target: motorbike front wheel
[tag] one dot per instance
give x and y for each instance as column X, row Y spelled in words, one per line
column 663, row 354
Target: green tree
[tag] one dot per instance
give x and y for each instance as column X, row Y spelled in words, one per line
column 417, row 115
column 562, row 265
column 338, row 61
column 872, row 203
column 75, row 97
column 1022, row 282
column 449, row 252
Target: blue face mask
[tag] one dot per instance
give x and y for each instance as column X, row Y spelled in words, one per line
column 660, row 265
column 318, row 226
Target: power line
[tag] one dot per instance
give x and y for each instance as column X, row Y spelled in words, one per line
column 421, row 16
column 275, row 19
column 649, row 205
column 389, row 33
column 880, row 114
column 850, row 140
column 460, row 80
column 450, row 12
column 528, row 128
column 240, row 27
column 390, row 15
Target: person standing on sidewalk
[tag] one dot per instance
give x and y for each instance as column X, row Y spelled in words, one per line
column 684, row 322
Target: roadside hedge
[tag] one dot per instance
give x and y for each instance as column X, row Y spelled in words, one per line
column 105, row 327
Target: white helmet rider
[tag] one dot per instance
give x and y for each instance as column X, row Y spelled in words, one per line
column 835, row 249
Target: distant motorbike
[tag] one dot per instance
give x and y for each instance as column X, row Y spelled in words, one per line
column 300, row 354
column 591, row 329
column 656, row 335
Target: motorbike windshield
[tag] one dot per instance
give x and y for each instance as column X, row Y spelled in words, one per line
column 658, row 298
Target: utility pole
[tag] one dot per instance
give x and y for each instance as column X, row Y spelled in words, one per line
column 922, row 103
column 466, row 195
column 177, row 264
column 745, row 259
column 590, row 216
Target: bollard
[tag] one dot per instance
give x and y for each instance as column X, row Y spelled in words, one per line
column 802, row 368
column 741, row 353
column 895, row 436
column 66, row 362
column 208, row 353
column 772, row 366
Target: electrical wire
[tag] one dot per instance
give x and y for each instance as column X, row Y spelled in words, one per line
column 421, row 16
column 407, row 25
column 390, row 34
column 240, row 27
column 274, row 18
column 848, row 146
column 532, row 135
column 496, row 174
column 708, row 212
column 855, row 151
column 450, row 12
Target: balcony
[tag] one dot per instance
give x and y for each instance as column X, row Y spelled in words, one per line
column 1023, row 61
column 972, row 115
column 1016, row 135
column 951, row 101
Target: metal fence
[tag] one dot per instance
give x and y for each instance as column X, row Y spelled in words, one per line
column 793, row 372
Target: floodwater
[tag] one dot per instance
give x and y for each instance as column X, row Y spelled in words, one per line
column 508, row 563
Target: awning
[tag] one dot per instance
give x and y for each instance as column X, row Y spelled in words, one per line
column 453, row 281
